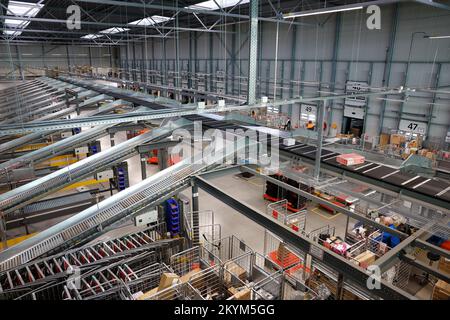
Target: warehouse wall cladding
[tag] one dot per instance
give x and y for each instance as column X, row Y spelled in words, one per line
column 217, row 159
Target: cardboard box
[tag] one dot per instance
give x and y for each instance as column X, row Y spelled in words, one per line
column 350, row 159
column 397, row 139
column 384, row 139
column 168, row 280
column 365, row 259
column 235, row 270
column 244, row 294
column 288, row 142
column 441, row 291
column 283, row 253
column 188, row 275
column 147, row 294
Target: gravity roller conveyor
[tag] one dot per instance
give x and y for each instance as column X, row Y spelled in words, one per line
column 90, row 221
column 39, row 188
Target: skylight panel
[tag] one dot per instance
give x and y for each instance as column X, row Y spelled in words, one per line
column 211, row 4
column 20, row 9
column 114, row 30
column 23, row 9
column 92, row 36
column 151, row 20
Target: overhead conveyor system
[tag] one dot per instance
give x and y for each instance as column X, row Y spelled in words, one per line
column 63, row 145
column 21, row 196
column 431, row 190
column 91, row 221
column 23, row 88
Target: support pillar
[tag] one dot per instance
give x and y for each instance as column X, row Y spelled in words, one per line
column 111, row 139
column 321, row 112
column 340, row 287
column 195, row 215
column 253, row 52
column 143, row 167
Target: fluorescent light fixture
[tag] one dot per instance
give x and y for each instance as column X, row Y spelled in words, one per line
column 211, row 4
column 20, row 9
column 320, row 11
column 56, row 54
column 92, row 36
column 151, row 20
column 27, row 54
column 438, row 37
column 114, row 30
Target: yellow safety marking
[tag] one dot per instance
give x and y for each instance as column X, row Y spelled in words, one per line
column 17, row 240
column 84, row 183
column 317, row 210
column 31, row 147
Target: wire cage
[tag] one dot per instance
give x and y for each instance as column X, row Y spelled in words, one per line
column 367, row 250
column 193, row 260
column 398, row 275
column 212, row 284
column 294, row 289
column 209, row 231
column 283, row 257
column 280, row 210
column 319, row 235
column 228, row 248
column 177, row 291
column 105, row 282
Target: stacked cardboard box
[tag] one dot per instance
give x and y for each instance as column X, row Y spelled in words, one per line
column 365, row 259
column 397, row 139
column 441, row 291
column 384, row 139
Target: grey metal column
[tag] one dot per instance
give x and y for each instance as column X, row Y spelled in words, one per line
column 339, row 287
column 253, row 52
column 19, row 59
column 111, row 137
column 3, row 232
column 388, row 65
column 143, row 167
column 68, row 57
column 163, row 158
column 195, row 216
column 321, row 112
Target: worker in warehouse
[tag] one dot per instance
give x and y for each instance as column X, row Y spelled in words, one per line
column 287, row 125
column 310, row 125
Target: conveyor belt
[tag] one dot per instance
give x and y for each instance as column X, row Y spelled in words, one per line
column 126, row 202
column 47, row 269
column 66, row 144
column 431, row 190
column 52, row 208
column 19, row 197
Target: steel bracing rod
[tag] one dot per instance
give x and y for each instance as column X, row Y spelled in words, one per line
column 319, row 200
column 50, row 125
column 189, row 10
column 185, row 91
column 107, row 25
column 335, row 261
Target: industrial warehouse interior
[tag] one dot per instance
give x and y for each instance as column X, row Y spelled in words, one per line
column 224, row 150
